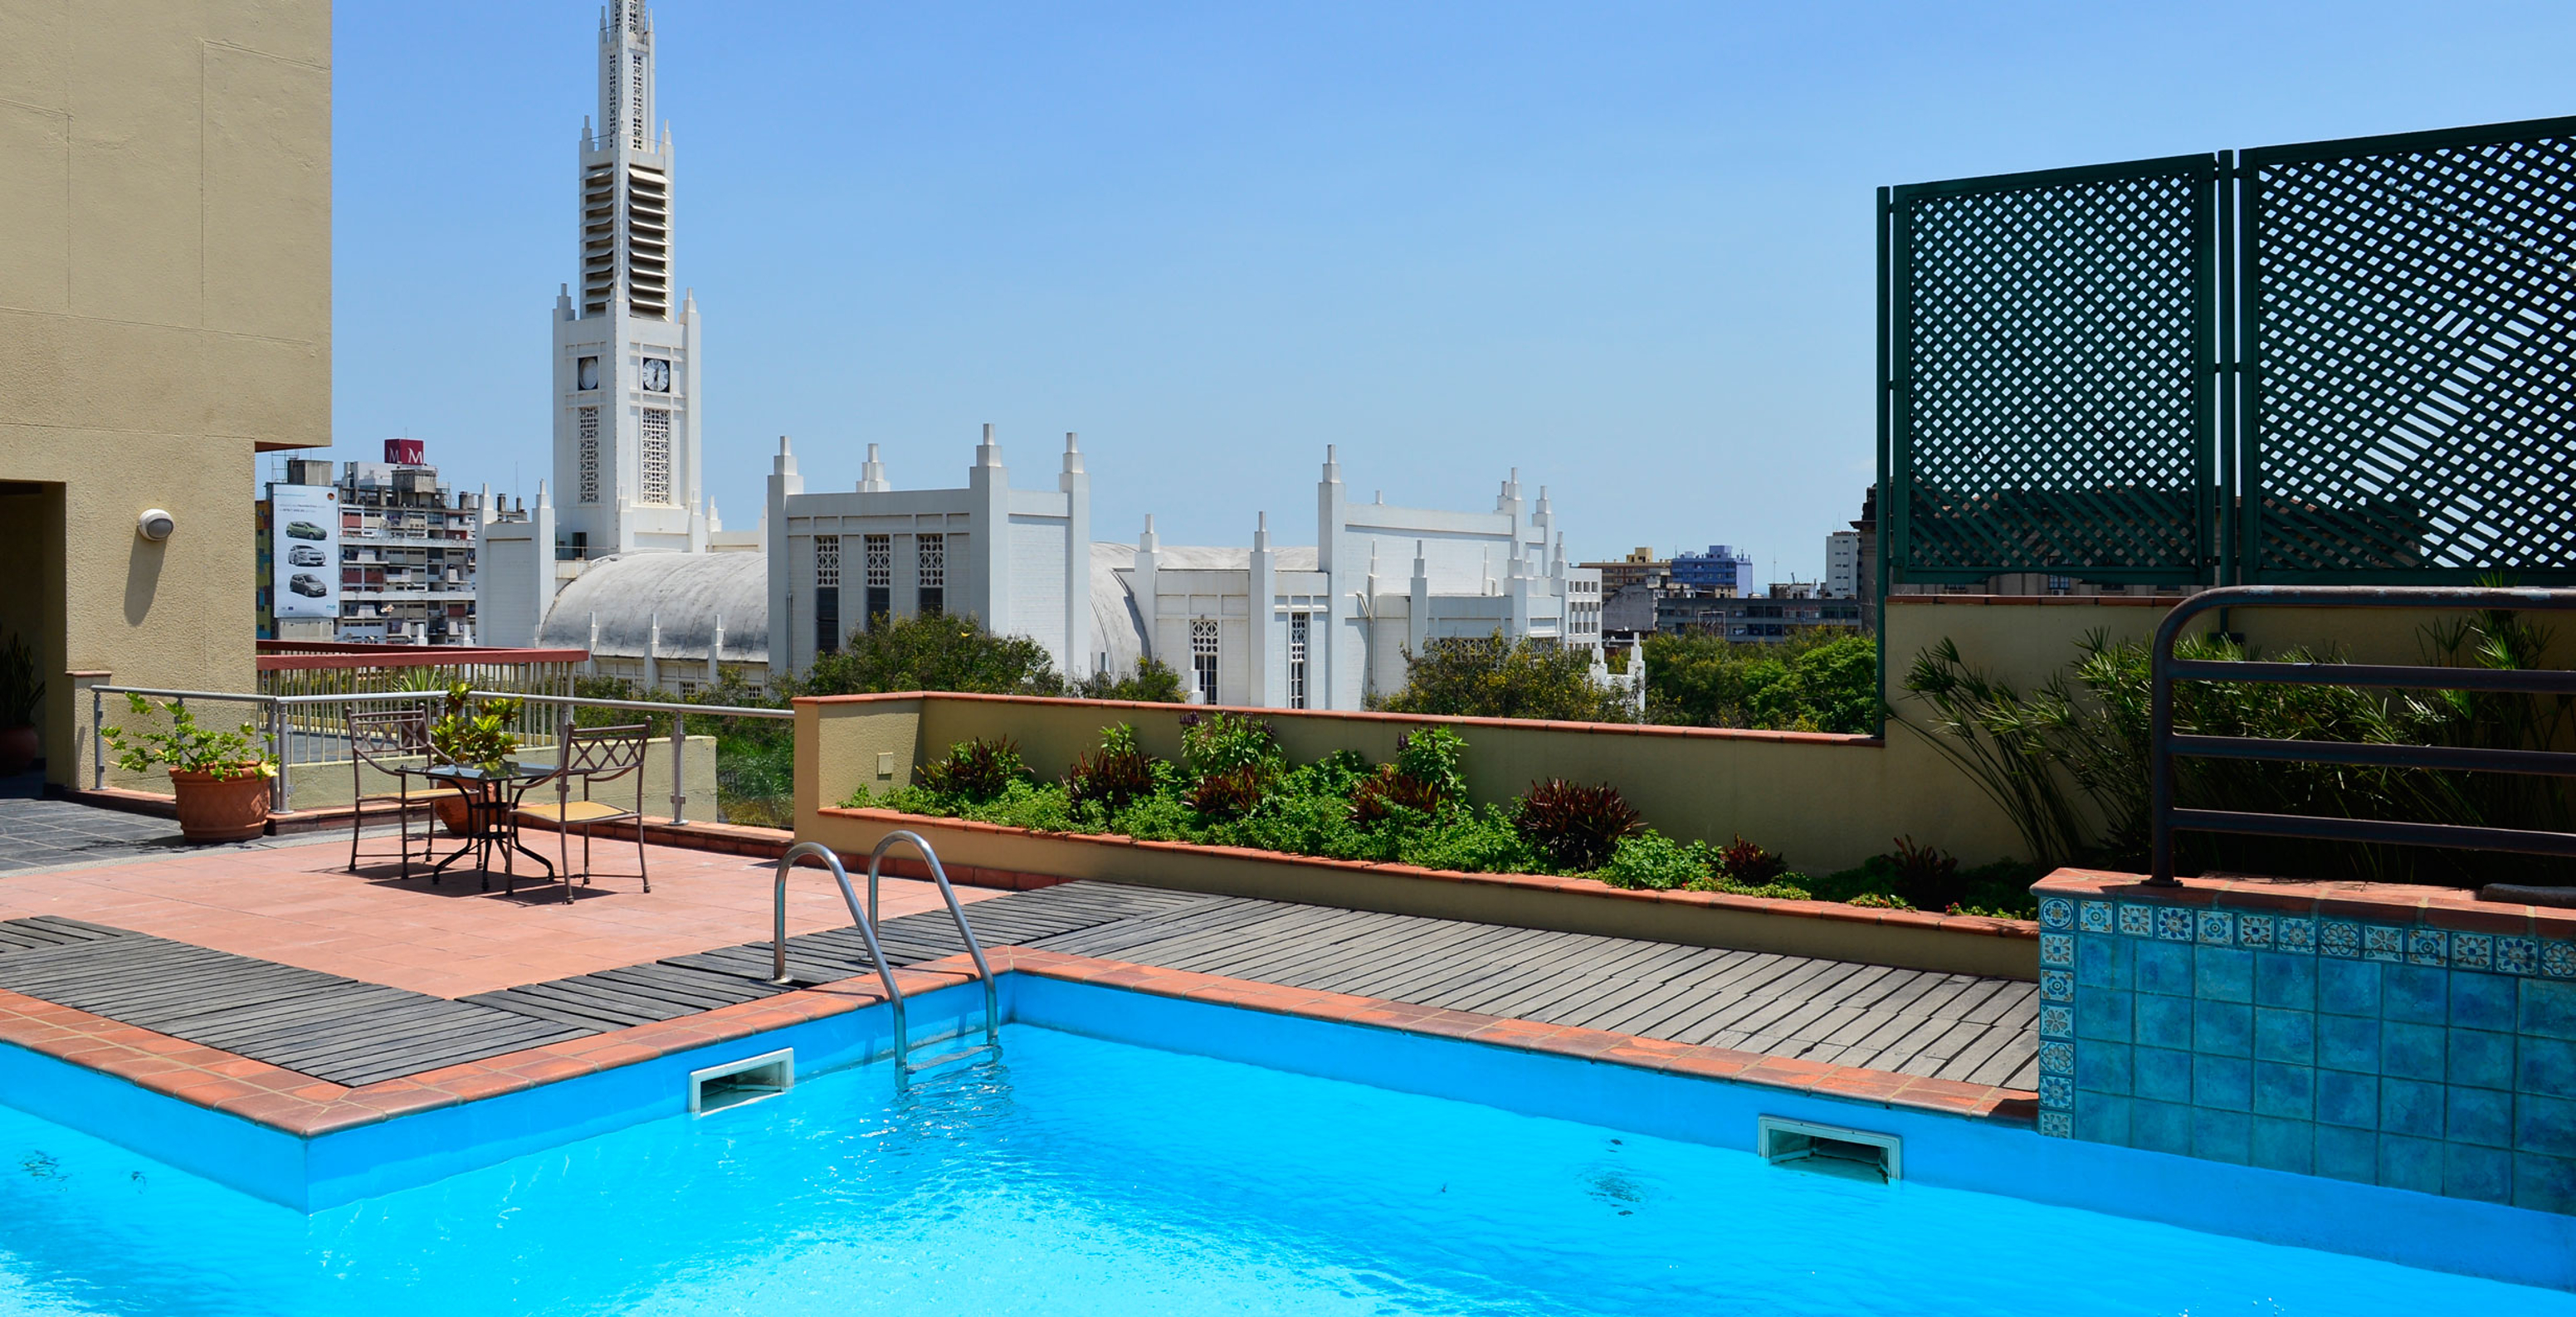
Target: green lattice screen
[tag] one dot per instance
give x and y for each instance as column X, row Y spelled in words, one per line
column 2410, row 400
column 2052, row 403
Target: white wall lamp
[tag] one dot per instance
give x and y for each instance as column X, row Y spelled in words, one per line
column 155, row 525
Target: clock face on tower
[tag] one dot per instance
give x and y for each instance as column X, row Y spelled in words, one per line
column 657, row 375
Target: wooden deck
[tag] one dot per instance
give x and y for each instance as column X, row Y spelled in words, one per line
column 1948, row 1026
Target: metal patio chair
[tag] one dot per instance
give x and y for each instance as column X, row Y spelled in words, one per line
column 395, row 743
column 592, row 756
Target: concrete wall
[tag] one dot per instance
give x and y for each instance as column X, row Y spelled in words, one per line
column 165, row 313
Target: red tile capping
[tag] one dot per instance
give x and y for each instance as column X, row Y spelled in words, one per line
column 1974, row 925
column 2387, row 903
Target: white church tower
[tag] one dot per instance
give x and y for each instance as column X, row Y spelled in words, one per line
column 626, row 356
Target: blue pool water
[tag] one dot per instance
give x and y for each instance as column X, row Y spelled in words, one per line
column 1083, row 1176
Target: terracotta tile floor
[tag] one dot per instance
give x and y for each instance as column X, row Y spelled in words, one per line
column 299, row 906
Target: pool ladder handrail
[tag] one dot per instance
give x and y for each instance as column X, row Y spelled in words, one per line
column 866, row 919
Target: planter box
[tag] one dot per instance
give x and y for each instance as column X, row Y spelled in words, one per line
column 1956, row 944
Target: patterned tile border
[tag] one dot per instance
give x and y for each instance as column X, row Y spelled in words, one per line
column 301, row 1105
column 2390, row 924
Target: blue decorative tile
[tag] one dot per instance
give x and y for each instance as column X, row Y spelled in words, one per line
column 2347, row 1099
column 2383, row 942
column 2102, row 1013
column 2558, row 959
column 2427, row 946
column 2412, row 1051
column 2223, row 974
column 2285, row 979
column 2484, row 1174
column 2285, row 1090
column 2056, row 1091
column 2544, row 1124
column 2285, row 1145
column 2254, row 931
column 2162, row 967
column 2517, row 955
column 2340, row 938
column 2173, row 924
column 2215, row 928
column 2348, row 987
column 2295, row 934
column 2056, row 985
column 2164, row 1021
column 2102, row 1068
column 2101, row 961
column 2161, row 1073
column 2478, row 1115
column 2093, row 916
column 2410, row 1163
column 2137, row 920
column 2057, row 912
column 2410, row 1107
column 2481, row 1001
column 2057, row 1058
column 2544, row 1184
column 2057, row 1125
column 2057, row 950
column 2288, row 1036
column 2480, row 1057
column 2472, row 951
column 2223, row 1082
column 2057, row 1021
column 2160, row 1126
column 2222, row 1029
column 2348, row 1154
column 2545, row 1065
column 2348, row 1042
column 2415, row 994
column 2222, row 1136
column 2546, row 1009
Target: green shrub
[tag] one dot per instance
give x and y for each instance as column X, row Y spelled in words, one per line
column 1113, row 777
column 1576, row 827
column 1813, row 683
column 1655, row 862
column 976, row 771
column 1490, row 677
column 1742, row 862
column 1220, row 742
column 1435, row 757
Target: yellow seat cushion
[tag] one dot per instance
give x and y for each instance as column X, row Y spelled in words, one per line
column 579, row 811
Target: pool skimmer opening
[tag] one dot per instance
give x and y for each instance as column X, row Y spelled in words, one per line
column 737, row 1082
column 1832, row 1150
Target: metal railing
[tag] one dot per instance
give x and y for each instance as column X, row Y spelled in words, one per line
column 2165, row 744
column 310, row 730
column 866, row 919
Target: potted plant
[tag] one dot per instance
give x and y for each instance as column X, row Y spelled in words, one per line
column 471, row 733
column 221, row 779
column 20, row 692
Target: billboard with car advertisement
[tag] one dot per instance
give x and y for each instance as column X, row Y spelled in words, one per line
column 305, row 549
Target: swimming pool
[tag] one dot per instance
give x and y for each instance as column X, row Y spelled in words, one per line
column 1084, row 1175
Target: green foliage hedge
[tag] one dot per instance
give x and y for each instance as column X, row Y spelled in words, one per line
column 1234, row 787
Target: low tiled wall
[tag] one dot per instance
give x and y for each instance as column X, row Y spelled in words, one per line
column 2410, row 1037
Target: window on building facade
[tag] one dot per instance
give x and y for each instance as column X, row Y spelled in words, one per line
column 1299, row 634
column 2060, row 584
column 880, row 583
column 1203, row 658
column 635, row 98
column 587, row 423
column 930, row 562
column 827, row 594
column 657, row 455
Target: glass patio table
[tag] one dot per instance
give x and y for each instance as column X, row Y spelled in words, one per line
column 491, row 816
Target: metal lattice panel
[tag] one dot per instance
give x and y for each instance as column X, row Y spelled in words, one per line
column 2053, row 410
column 2409, row 338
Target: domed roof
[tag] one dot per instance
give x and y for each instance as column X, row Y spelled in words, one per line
column 687, row 592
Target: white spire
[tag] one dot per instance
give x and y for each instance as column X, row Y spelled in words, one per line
column 988, row 453
column 1332, row 464
column 1146, row 543
column 872, row 476
column 1072, row 453
column 1261, row 534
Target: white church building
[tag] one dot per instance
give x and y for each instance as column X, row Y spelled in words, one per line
column 623, row 555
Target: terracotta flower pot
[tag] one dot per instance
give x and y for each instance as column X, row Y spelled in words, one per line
column 450, row 810
column 17, row 750
column 226, row 809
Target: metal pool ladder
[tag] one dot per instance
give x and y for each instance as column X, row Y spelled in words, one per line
column 866, row 919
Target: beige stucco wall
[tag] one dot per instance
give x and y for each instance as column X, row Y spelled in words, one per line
column 165, row 313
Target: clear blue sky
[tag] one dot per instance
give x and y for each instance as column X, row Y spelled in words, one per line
column 1624, row 246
